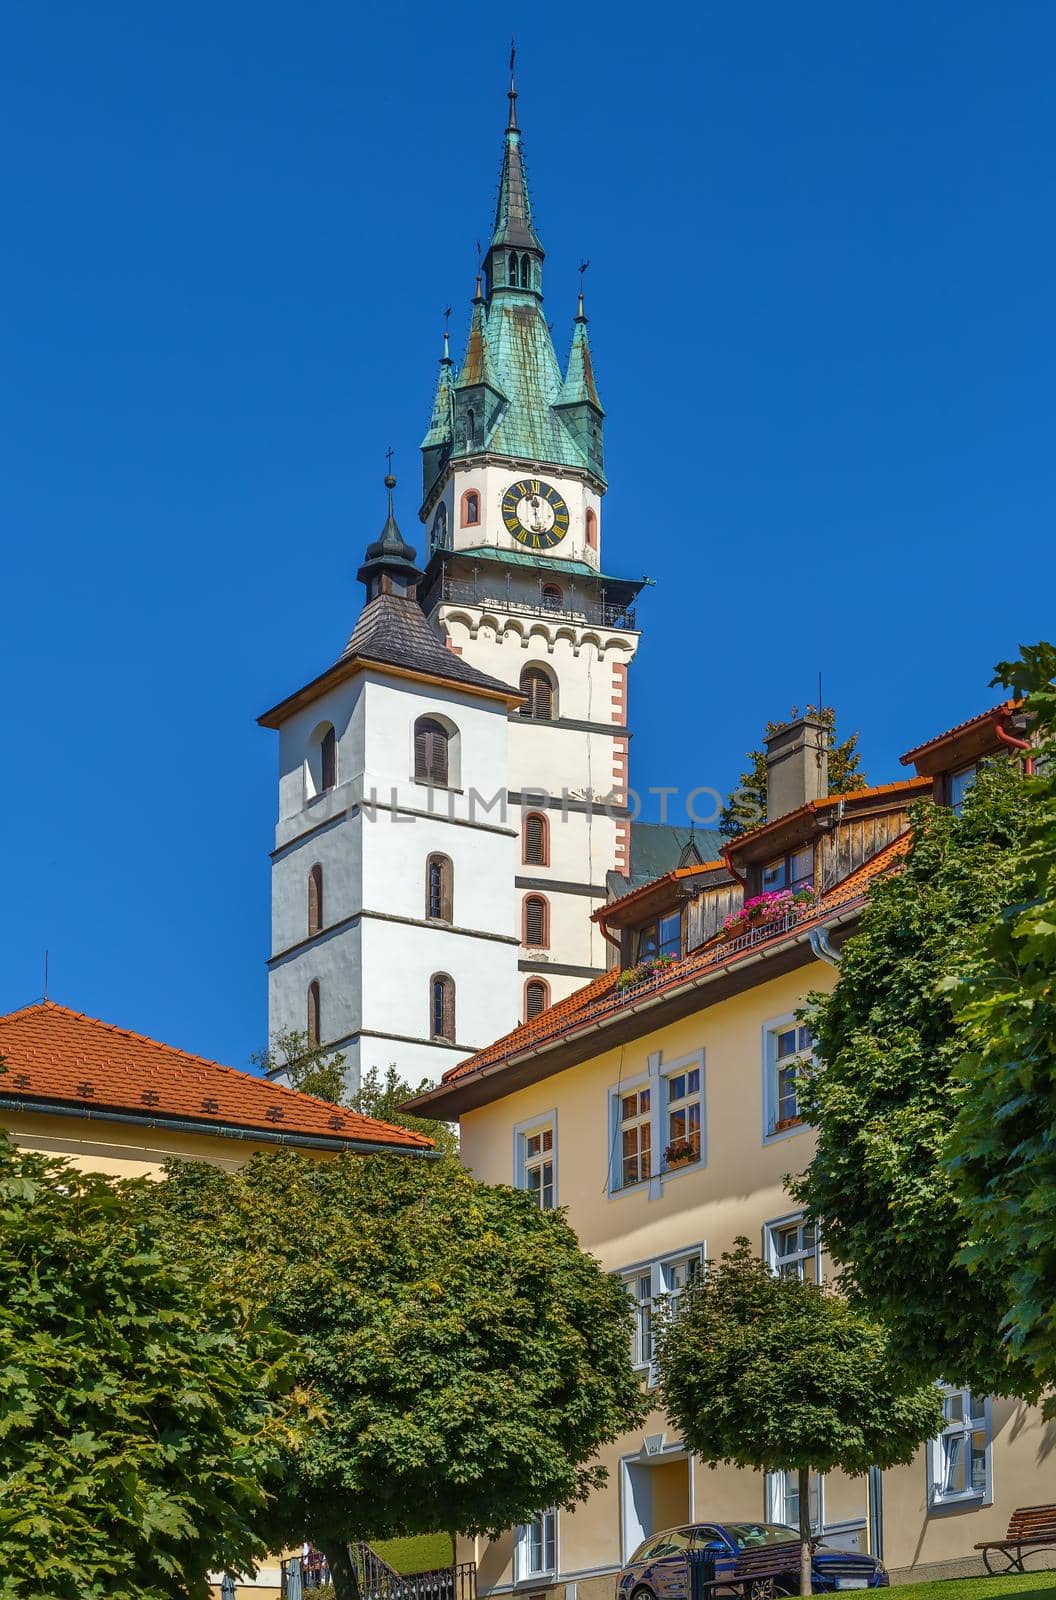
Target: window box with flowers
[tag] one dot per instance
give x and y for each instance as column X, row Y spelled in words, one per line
column 681, row 1151
column 764, row 909
column 653, row 967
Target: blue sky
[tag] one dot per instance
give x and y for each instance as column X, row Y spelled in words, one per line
column 822, row 247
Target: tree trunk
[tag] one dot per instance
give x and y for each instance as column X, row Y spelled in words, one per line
column 805, row 1533
column 342, row 1569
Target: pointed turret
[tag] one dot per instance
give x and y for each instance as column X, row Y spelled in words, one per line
column 579, row 405
column 479, row 396
column 389, row 565
column 515, row 257
column 436, row 446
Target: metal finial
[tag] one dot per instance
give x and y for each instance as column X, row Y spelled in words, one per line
column 511, row 93
column 581, row 314
column 390, row 481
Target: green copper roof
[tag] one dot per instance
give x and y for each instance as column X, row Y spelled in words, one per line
column 510, row 397
column 531, row 558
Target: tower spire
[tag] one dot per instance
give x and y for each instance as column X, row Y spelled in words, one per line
column 513, row 212
column 511, row 93
column 389, row 563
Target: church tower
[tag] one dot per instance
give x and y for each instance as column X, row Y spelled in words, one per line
column 452, row 789
column 513, row 468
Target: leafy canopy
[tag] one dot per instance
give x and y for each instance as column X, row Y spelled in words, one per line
column 886, row 1093
column 845, row 775
column 777, row 1373
column 136, row 1428
column 468, row 1358
column 1002, row 1146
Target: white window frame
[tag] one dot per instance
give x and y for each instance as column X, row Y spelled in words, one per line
column 976, row 1416
column 657, row 1080
column 524, row 1131
column 526, row 1570
column 683, row 1103
column 775, row 1260
column 777, row 1498
column 659, row 1273
column 770, row 1033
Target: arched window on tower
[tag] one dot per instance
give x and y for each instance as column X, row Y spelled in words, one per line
column 513, row 268
column 328, row 760
column 431, row 751
column 535, row 840
column 471, row 428
column 551, row 597
column 315, row 1021
column 442, row 1007
column 536, row 922
column 592, row 530
column 439, row 876
column 537, row 686
column 470, row 508
column 536, row 997
column 526, row 272
column 315, row 900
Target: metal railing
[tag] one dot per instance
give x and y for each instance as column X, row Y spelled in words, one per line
column 570, row 605
column 379, row 1581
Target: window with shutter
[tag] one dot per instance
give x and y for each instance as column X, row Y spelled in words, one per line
column 442, row 1007
column 536, row 998
column 315, row 899
column 536, row 685
column 430, row 751
column 535, row 840
column 536, row 931
column 314, row 1014
column 328, row 760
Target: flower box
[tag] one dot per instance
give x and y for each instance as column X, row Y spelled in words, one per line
column 680, row 1152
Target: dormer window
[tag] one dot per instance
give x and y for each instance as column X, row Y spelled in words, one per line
column 661, row 938
column 792, row 871
column 959, row 783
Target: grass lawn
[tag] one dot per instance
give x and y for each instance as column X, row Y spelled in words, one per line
column 421, row 1553
column 1025, row 1586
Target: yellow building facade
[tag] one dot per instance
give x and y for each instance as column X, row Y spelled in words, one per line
column 659, row 1108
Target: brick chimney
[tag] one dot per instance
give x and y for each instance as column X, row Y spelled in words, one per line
column 797, row 765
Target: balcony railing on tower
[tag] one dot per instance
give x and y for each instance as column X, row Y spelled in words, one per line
column 482, row 592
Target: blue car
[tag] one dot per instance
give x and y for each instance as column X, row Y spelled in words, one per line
column 761, row 1557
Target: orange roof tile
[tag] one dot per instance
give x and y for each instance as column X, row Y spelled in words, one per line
column 1005, row 708
column 54, row 1054
column 824, row 803
column 603, row 998
column 674, row 876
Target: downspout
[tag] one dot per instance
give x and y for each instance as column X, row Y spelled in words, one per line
column 819, row 943
column 1016, row 744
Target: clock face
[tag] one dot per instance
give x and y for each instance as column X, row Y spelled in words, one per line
column 535, row 514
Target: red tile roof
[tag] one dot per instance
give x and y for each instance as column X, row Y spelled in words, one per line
column 674, row 876
column 1001, row 711
column 602, row 998
column 908, row 786
column 54, row 1054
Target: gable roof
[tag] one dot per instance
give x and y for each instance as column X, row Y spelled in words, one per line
column 996, row 714
column 604, row 1002
column 61, row 1060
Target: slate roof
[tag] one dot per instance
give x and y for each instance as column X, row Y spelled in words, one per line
column 392, row 630
column 53, row 1054
column 657, row 848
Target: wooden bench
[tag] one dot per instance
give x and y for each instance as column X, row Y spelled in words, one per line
column 1030, row 1528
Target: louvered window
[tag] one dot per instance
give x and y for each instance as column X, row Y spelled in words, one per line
column 535, row 998
column 535, row 840
column 328, row 761
column 438, row 884
column 539, row 703
column 314, row 1014
column 442, row 1007
column 315, row 900
column 535, row 922
column 430, row 751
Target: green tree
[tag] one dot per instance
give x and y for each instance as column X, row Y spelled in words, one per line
column 845, row 775
column 777, row 1374
column 468, row 1358
column 140, row 1410
column 1002, row 1147
column 309, row 1068
column 885, row 1093
column 383, row 1097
